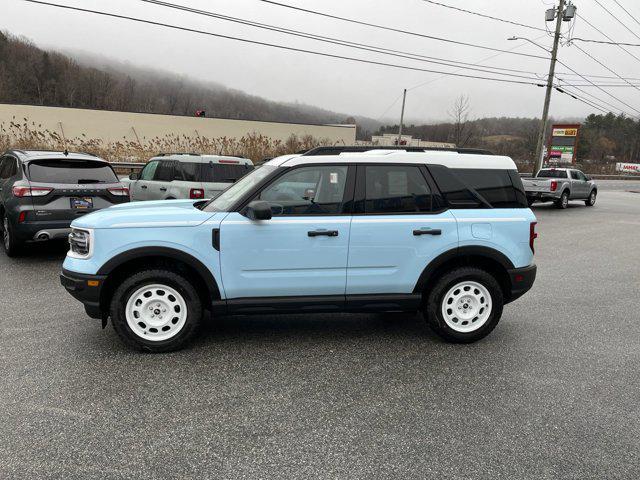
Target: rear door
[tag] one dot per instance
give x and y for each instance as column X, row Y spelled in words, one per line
column 398, row 227
column 72, row 187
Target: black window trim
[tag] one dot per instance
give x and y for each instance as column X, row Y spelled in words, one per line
column 347, row 198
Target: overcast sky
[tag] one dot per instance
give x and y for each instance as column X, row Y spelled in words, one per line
column 340, row 85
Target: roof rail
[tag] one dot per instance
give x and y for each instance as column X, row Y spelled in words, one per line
column 166, row 154
column 26, row 151
column 336, row 150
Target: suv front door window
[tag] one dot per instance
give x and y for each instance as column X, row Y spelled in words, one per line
column 304, row 246
column 140, row 188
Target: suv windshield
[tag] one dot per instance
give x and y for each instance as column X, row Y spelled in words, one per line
column 71, row 171
column 238, row 189
column 552, row 174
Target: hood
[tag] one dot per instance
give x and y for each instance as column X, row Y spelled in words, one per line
column 162, row 213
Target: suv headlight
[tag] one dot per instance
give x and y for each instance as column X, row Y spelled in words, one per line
column 80, row 243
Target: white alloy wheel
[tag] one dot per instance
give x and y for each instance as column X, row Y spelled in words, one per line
column 156, row 312
column 466, row 306
column 565, row 201
column 592, row 198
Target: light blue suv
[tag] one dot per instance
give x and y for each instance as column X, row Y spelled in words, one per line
column 447, row 233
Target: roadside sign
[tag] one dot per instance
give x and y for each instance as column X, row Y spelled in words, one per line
column 563, row 143
column 628, row 167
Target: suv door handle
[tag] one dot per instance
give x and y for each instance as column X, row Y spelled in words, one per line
column 144, row 187
column 163, row 189
column 430, row 231
column 326, row 233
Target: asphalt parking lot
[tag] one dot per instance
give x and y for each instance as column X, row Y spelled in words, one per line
column 553, row 392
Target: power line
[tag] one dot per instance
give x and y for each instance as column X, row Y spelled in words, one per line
column 597, row 99
column 627, row 12
column 607, row 37
column 347, row 43
column 573, row 39
column 600, row 88
column 617, row 19
column 282, row 47
column 605, row 66
column 397, row 30
column 485, row 16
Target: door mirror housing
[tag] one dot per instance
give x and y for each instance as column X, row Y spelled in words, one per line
column 134, row 176
column 258, row 210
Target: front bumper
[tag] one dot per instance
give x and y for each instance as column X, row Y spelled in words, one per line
column 521, row 281
column 86, row 288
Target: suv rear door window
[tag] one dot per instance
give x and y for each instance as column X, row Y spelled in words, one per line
column 71, row 171
column 396, row 189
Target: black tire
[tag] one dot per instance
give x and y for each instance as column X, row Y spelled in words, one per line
column 591, row 200
column 150, row 277
column 9, row 243
column 436, row 297
column 563, row 201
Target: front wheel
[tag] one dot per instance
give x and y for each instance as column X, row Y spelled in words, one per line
column 464, row 305
column 156, row 310
column 591, row 201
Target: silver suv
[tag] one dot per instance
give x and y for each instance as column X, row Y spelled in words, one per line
column 186, row 175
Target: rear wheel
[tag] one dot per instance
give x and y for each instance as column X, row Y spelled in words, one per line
column 9, row 242
column 563, row 201
column 591, row 201
column 464, row 305
column 156, row 311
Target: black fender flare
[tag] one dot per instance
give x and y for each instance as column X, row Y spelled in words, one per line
column 460, row 252
column 163, row 252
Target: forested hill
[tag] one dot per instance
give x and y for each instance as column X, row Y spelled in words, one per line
column 31, row 75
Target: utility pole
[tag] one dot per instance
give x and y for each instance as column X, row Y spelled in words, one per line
column 404, row 97
column 547, row 99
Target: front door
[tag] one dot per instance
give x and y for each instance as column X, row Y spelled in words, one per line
column 396, row 230
column 140, row 188
column 302, row 250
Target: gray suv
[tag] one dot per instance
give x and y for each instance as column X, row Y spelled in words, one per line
column 174, row 176
column 42, row 192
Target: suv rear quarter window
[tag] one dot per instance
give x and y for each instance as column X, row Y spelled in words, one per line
column 71, row 171
column 396, row 189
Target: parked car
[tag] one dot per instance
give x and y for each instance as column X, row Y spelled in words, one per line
column 441, row 232
column 42, row 192
column 176, row 176
column 559, row 185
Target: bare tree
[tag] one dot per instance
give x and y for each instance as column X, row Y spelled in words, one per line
column 462, row 130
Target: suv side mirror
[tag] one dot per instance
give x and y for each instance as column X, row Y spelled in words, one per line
column 259, row 210
column 134, row 176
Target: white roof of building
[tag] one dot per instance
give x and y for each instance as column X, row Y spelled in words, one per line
column 445, row 158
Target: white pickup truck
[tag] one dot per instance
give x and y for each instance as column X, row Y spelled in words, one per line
column 559, row 185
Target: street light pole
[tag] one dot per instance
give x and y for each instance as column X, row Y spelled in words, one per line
column 547, row 99
column 404, row 97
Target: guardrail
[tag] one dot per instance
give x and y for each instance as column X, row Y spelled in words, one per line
column 128, row 165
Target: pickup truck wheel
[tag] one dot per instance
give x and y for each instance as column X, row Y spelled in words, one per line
column 563, row 201
column 156, row 310
column 9, row 242
column 591, row 201
column 464, row 305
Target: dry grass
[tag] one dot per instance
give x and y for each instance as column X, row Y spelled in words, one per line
column 23, row 134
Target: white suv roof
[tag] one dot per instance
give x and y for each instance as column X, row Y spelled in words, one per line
column 445, row 158
column 196, row 158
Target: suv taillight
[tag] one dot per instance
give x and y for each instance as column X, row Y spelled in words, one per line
column 532, row 235
column 30, row 191
column 196, row 193
column 119, row 192
column 554, row 185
